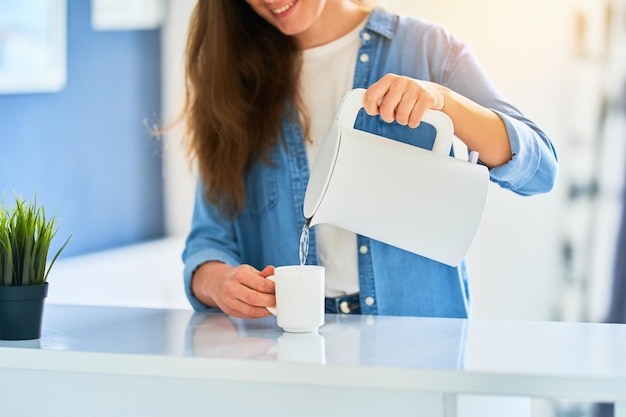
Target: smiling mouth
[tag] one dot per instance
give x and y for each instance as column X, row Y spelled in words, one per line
column 284, row 8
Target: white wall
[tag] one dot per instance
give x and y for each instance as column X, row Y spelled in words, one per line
column 147, row 275
column 179, row 177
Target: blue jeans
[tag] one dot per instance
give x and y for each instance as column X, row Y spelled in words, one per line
column 347, row 304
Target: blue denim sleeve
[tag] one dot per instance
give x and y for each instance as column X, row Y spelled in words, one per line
column 211, row 238
column 534, row 166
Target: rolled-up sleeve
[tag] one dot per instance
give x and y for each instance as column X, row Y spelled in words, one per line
column 533, row 169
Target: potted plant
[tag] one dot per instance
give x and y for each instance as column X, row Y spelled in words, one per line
column 25, row 236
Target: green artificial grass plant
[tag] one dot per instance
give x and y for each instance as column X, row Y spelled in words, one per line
column 25, row 236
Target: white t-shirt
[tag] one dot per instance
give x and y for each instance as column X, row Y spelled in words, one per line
column 327, row 74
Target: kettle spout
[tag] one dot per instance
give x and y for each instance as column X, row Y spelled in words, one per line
column 313, row 220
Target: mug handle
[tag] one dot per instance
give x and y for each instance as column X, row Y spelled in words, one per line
column 271, row 309
column 352, row 102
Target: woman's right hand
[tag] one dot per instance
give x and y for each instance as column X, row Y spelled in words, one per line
column 240, row 291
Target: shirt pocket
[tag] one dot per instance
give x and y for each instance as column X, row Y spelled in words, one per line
column 261, row 192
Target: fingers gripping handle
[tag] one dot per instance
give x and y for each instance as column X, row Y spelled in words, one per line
column 272, row 309
column 352, row 102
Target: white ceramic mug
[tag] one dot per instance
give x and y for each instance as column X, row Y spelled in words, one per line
column 299, row 297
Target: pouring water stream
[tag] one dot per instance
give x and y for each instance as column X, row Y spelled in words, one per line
column 304, row 242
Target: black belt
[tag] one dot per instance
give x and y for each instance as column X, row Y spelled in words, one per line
column 346, row 304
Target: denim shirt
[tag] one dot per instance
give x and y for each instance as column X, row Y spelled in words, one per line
column 392, row 281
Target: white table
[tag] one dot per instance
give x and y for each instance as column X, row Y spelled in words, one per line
column 102, row 361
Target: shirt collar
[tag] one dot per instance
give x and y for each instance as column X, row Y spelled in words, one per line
column 382, row 22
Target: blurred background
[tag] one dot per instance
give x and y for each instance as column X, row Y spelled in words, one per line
column 83, row 83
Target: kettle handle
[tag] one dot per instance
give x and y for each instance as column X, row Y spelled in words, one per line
column 352, row 102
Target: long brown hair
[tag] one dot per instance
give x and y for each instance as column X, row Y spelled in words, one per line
column 241, row 76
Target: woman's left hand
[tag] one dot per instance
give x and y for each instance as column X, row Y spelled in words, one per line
column 403, row 99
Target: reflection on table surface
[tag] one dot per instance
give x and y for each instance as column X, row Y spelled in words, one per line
column 519, row 347
column 345, row 340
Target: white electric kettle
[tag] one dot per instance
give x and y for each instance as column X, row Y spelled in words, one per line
column 423, row 201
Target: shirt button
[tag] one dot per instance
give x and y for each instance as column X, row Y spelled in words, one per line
column 344, row 307
column 364, row 57
column 366, row 36
column 369, row 301
column 363, row 249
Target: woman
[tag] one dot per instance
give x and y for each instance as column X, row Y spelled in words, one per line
column 264, row 79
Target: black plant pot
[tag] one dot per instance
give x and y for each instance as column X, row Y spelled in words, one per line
column 21, row 311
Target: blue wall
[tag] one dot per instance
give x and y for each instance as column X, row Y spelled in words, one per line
column 85, row 151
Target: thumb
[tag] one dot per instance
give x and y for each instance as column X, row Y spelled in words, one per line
column 267, row 271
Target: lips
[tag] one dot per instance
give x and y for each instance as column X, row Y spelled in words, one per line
column 284, row 8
